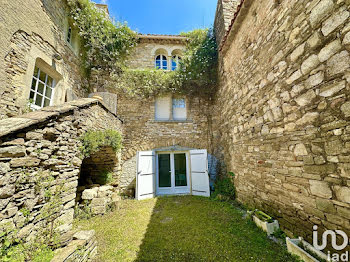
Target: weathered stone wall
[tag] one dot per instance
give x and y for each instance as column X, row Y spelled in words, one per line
column 35, row 31
column 143, row 132
column 225, row 11
column 39, row 145
column 143, row 56
column 282, row 111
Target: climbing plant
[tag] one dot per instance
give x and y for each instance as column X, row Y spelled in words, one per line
column 197, row 72
column 106, row 43
column 93, row 141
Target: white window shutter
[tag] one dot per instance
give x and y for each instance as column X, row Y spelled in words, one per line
column 163, row 108
column 199, row 173
column 145, row 176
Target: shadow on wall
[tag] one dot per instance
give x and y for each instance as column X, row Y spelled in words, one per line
column 188, row 228
column 99, row 169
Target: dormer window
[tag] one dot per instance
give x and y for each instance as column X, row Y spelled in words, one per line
column 175, row 62
column 161, row 62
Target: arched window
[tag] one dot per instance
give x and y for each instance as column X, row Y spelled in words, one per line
column 175, row 62
column 161, row 62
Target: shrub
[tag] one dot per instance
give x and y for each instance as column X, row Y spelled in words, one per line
column 105, row 177
column 224, row 188
column 93, row 141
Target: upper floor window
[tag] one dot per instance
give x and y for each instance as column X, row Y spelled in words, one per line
column 69, row 35
column 179, row 109
column 41, row 91
column 175, row 62
column 170, row 108
column 161, row 62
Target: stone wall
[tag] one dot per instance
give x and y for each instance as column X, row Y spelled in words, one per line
column 39, row 152
column 143, row 132
column 143, row 56
column 33, row 33
column 282, row 111
column 225, row 11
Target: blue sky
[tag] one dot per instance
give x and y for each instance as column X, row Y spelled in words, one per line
column 163, row 16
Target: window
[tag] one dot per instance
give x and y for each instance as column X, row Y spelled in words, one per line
column 168, row 108
column 41, row 91
column 175, row 62
column 69, row 35
column 179, row 109
column 163, row 109
column 161, row 62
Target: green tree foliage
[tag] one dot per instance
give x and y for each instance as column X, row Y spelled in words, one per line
column 93, row 141
column 106, row 43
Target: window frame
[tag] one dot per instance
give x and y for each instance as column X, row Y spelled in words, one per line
column 171, row 107
column 37, row 80
column 69, row 36
column 176, row 60
column 162, row 56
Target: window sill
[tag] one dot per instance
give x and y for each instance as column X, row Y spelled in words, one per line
column 172, row 121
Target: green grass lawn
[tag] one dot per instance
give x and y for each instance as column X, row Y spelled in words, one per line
column 182, row 228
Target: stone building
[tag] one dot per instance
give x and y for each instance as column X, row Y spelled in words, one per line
column 279, row 119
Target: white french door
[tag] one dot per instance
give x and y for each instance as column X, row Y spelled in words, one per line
column 173, row 177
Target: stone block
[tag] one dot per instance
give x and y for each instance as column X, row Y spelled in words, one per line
column 329, row 50
column 4, row 168
column 320, row 188
column 308, row 118
column 332, row 89
column 34, row 136
column 333, row 147
column 300, row 150
column 334, row 21
column 98, row 202
column 320, row 11
column 310, row 63
column 297, row 52
column 295, row 76
column 342, row 193
column 345, row 108
column 344, row 212
column 7, row 191
column 84, row 235
column 12, row 151
column 305, row 98
column 89, row 194
column 320, row 169
column 24, row 162
column 339, row 63
column 325, row 205
column 346, row 40
column 315, row 79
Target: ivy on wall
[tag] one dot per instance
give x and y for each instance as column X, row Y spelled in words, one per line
column 196, row 75
column 106, row 43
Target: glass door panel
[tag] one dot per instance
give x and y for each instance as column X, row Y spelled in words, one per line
column 180, row 169
column 164, row 170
